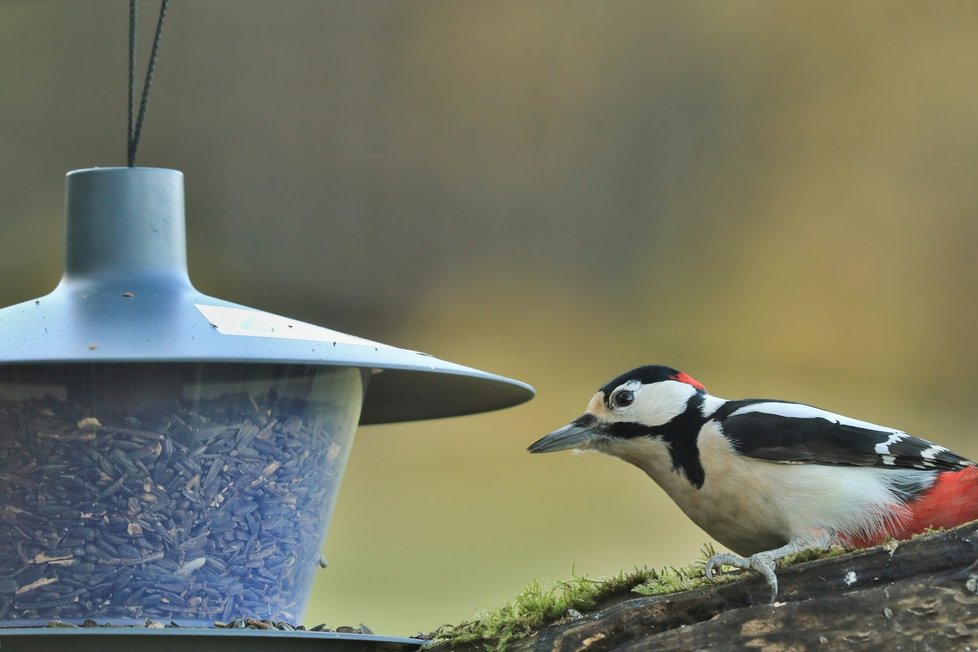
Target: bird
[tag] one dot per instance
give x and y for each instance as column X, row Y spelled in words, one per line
column 769, row 478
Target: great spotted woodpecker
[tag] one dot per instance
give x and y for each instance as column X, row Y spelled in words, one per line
column 769, row 478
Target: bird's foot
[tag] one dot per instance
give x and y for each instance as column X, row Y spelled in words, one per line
column 762, row 562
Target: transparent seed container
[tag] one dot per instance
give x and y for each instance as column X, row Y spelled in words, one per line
column 169, row 455
column 183, row 492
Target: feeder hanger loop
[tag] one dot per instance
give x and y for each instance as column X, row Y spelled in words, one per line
column 136, row 129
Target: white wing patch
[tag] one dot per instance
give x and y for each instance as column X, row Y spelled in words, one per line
column 931, row 453
column 802, row 411
column 883, row 448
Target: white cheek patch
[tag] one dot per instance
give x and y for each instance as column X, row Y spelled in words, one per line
column 658, row 403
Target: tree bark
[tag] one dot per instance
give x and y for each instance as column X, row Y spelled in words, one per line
column 911, row 595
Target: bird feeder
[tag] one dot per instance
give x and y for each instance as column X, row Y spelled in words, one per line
column 171, row 456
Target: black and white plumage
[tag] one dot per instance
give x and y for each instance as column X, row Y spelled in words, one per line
column 768, row 478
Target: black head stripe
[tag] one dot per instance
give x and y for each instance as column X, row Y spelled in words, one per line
column 646, row 375
column 630, row 430
column 683, row 448
column 680, row 434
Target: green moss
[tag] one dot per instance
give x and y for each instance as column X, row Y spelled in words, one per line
column 536, row 606
column 812, row 554
column 684, row 578
column 930, row 531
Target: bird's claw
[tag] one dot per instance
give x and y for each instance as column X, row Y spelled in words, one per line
column 760, row 562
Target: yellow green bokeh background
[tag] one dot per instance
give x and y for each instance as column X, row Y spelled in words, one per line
column 779, row 198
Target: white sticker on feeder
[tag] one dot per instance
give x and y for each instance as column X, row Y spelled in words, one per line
column 255, row 323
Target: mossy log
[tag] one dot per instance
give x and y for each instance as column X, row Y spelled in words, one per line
column 911, row 595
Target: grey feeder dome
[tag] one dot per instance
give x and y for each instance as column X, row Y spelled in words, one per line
column 168, row 455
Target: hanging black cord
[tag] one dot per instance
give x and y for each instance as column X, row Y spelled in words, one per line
column 130, row 154
column 135, row 131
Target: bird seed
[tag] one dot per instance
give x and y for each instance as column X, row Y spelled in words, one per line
column 212, row 510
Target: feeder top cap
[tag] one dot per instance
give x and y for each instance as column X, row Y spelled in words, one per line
column 125, row 296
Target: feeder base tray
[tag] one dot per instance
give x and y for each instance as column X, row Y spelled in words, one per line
column 101, row 639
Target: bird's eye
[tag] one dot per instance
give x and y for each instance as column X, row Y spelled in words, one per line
column 621, row 399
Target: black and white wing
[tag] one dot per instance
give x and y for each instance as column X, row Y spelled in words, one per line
column 785, row 432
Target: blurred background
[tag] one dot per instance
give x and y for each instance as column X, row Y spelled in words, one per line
column 778, row 198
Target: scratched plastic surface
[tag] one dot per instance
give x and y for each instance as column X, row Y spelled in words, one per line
column 187, row 493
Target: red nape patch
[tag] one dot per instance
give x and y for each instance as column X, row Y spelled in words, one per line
column 952, row 501
column 689, row 380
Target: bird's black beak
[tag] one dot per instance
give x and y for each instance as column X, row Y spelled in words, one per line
column 578, row 434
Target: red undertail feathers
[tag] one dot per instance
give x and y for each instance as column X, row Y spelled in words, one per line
column 952, row 501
